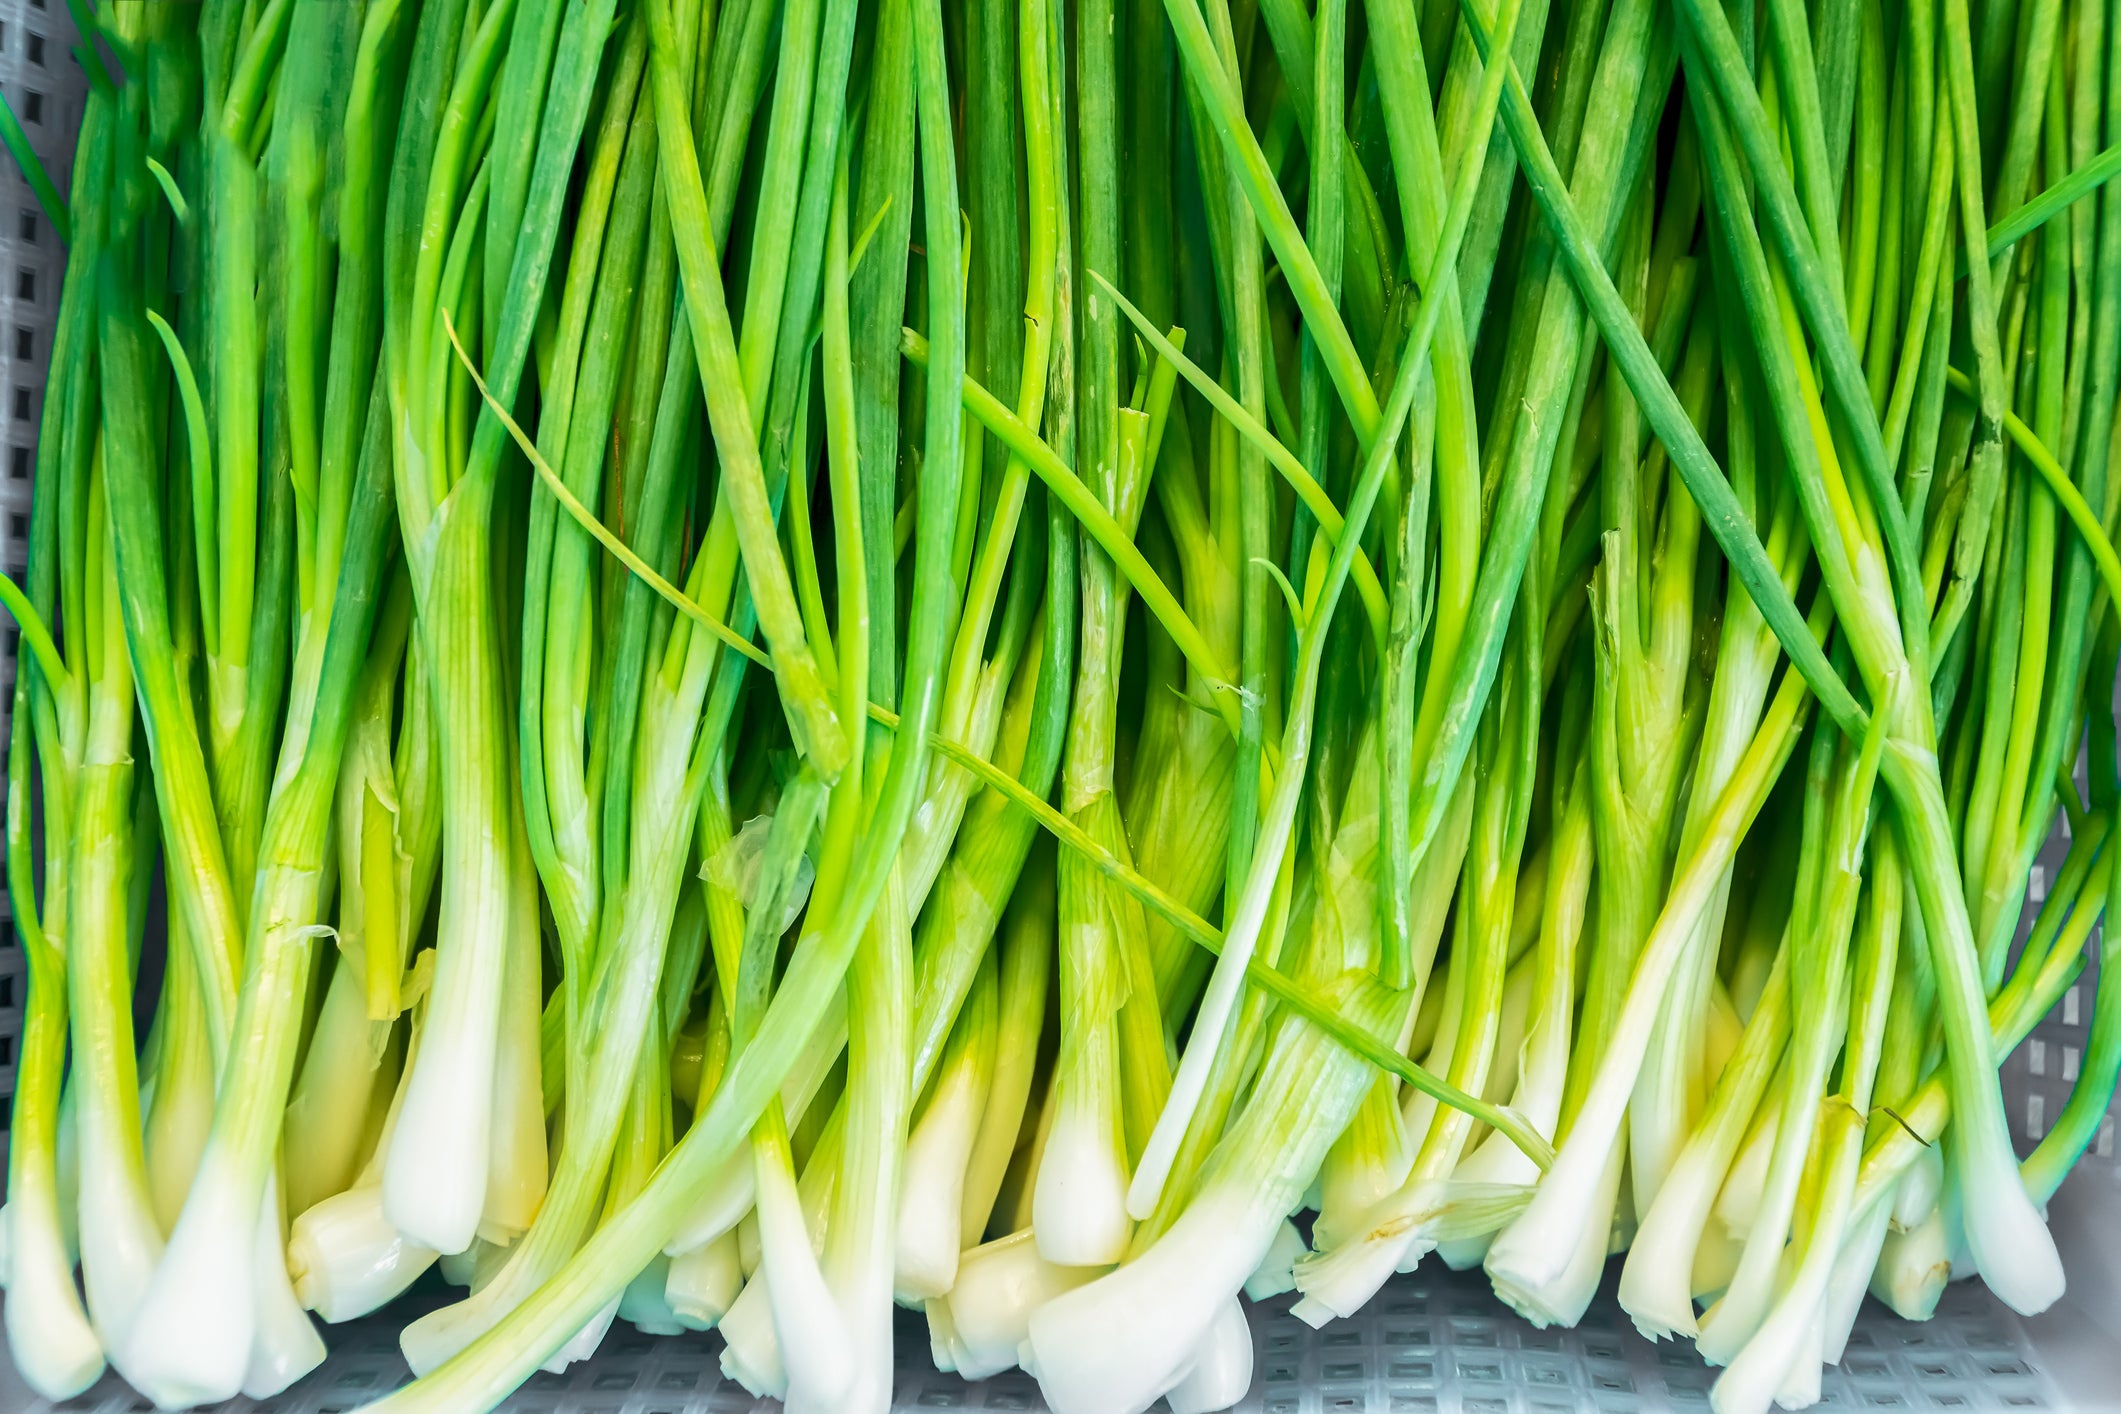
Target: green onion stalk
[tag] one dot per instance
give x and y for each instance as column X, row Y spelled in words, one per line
column 1373, row 1156
column 344, row 1257
column 1820, row 943
column 1806, row 657
column 1901, row 1180
column 790, row 1338
column 347, row 1070
column 120, row 226
column 612, row 948
column 116, row 598
column 1657, row 1284
column 1209, row 59
column 121, row 1238
column 1467, row 1045
column 1015, row 713
column 1192, row 1288
column 955, row 931
column 1468, row 1042
column 939, row 1149
column 1651, row 692
column 561, row 738
column 1860, row 536
column 673, row 744
column 1421, row 147
column 961, row 921
column 1682, row 1235
column 1780, row 1361
column 1113, row 1068
column 1261, row 856
column 758, row 1349
column 237, row 492
column 1201, row 511
column 1374, row 1159
column 1658, row 1119
column 1657, row 1287
column 795, row 1329
column 262, row 1339
column 658, row 430
column 1894, row 1152
column 930, row 1229
column 1669, row 1109
column 1026, row 979
column 1592, row 1232
column 2028, row 714
column 846, row 1186
column 52, row 1340
column 956, row 1117
column 664, row 1092
column 633, row 1235
column 1590, row 1151
column 1552, row 360
column 701, row 1282
column 177, row 1084
column 1177, row 797
column 1541, row 1056
column 625, row 988
column 436, row 1179
column 52, row 1336
column 1176, row 801
column 1205, row 571
column 343, row 1080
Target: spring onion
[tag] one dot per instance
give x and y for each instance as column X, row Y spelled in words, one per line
column 1061, row 665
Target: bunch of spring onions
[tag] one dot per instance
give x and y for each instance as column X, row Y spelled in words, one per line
column 1055, row 661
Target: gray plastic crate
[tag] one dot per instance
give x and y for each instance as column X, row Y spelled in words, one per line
column 1432, row 1342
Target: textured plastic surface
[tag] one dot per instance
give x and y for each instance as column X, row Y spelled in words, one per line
column 1432, row 1341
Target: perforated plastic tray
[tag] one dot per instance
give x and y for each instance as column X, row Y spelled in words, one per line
column 1431, row 1341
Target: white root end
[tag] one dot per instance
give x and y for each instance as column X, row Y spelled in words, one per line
column 700, row 1284
column 931, row 1199
column 285, row 1345
column 1337, row 1283
column 1079, row 1203
column 2011, row 1246
column 347, row 1260
column 191, row 1340
column 1132, row 1334
column 434, row 1175
column 1276, row 1272
column 977, row 1328
column 1546, row 1266
column 751, row 1353
column 645, row 1304
column 1222, row 1366
column 434, row 1178
column 1913, row 1268
column 48, row 1332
